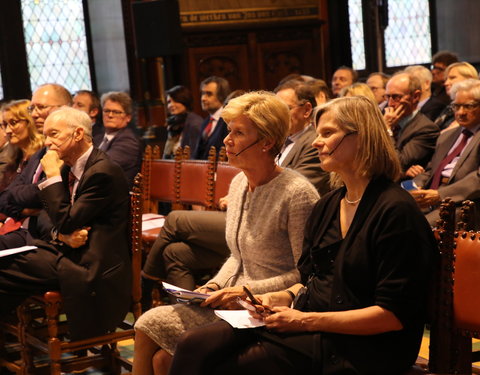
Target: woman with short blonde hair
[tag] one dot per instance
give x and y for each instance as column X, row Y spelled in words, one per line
column 268, row 113
column 267, row 210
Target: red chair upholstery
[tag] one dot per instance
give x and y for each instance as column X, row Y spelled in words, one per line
column 224, row 175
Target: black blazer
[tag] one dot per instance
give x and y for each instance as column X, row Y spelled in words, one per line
column 215, row 139
column 95, row 279
column 416, row 141
column 126, row 150
column 21, row 193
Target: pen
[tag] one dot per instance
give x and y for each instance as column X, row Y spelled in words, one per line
column 250, row 295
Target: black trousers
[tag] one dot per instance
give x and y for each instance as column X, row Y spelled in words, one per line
column 219, row 349
column 24, row 274
column 189, row 241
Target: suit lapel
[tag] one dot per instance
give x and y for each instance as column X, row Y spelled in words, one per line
column 468, row 149
column 92, row 159
column 294, row 151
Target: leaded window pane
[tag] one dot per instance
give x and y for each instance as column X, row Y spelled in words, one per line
column 356, row 34
column 407, row 37
column 56, row 44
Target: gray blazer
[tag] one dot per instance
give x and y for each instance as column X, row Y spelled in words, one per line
column 464, row 183
column 303, row 158
column 416, row 141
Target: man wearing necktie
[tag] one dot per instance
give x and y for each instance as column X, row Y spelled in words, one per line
column 89, row 260
column 454, row 169
column 214, row 91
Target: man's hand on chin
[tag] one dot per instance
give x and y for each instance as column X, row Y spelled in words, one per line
column 51, row 164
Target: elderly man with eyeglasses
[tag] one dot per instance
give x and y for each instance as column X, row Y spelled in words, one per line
column 118, row 141
column 453, row 170
column 413, row 133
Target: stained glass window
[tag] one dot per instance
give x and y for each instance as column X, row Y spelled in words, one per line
column 56, row 43
column 356, row 34
column 407, row 37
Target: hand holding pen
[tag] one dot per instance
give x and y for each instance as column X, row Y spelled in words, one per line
column 255, row 306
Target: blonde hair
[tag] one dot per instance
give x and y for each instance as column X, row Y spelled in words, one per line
column 269, row 114
column 376, row 155
column 465, row 69
column 358, row 89
column 19, row 109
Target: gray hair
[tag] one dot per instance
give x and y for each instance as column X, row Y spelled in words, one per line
column 74, row 118
column 419, row 71
column 471, row 85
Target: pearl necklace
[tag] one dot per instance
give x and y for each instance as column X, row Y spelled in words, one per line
column 351, row 202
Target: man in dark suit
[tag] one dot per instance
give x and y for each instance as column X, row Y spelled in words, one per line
column 89, row 102
column 118, row 141
column 214, row 91
column 298, row 152
column 413, row 133
column 430, row 106
column 454, row 169
column 86, row 198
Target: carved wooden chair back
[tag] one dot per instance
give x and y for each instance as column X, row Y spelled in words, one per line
column 39, row 328
column 196, row 181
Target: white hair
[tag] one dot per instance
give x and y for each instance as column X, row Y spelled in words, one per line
column 419, row 71
column 74, row 118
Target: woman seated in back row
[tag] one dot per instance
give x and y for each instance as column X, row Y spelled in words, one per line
column 23, row 139
column 267, row 210
column 366, row 265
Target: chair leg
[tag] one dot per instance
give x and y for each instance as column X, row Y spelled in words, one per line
column 24, row 317
column 52, row 310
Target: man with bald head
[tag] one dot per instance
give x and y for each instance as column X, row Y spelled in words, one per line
column 46, row 99
column 413, row 133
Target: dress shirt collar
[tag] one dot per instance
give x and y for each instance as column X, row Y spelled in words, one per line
column 79, row 166
column 217, row 114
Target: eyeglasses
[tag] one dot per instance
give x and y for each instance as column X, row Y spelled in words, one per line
column 12, row 123
column 112, row 112
column 40, row 108
column 467, row 107
column 291, row 108
column 437, row 67
column 394, row 97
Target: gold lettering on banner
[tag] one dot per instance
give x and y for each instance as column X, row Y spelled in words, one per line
column 247, row 15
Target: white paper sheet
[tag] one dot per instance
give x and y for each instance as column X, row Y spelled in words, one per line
column 152, row 224
column 151, row 216
column 184, row 294
column 239, row 318
column 7, row 252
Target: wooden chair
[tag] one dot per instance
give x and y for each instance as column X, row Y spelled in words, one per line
column 41, row 328
column 223, row 176
column 196, row 181
column 456, row 317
